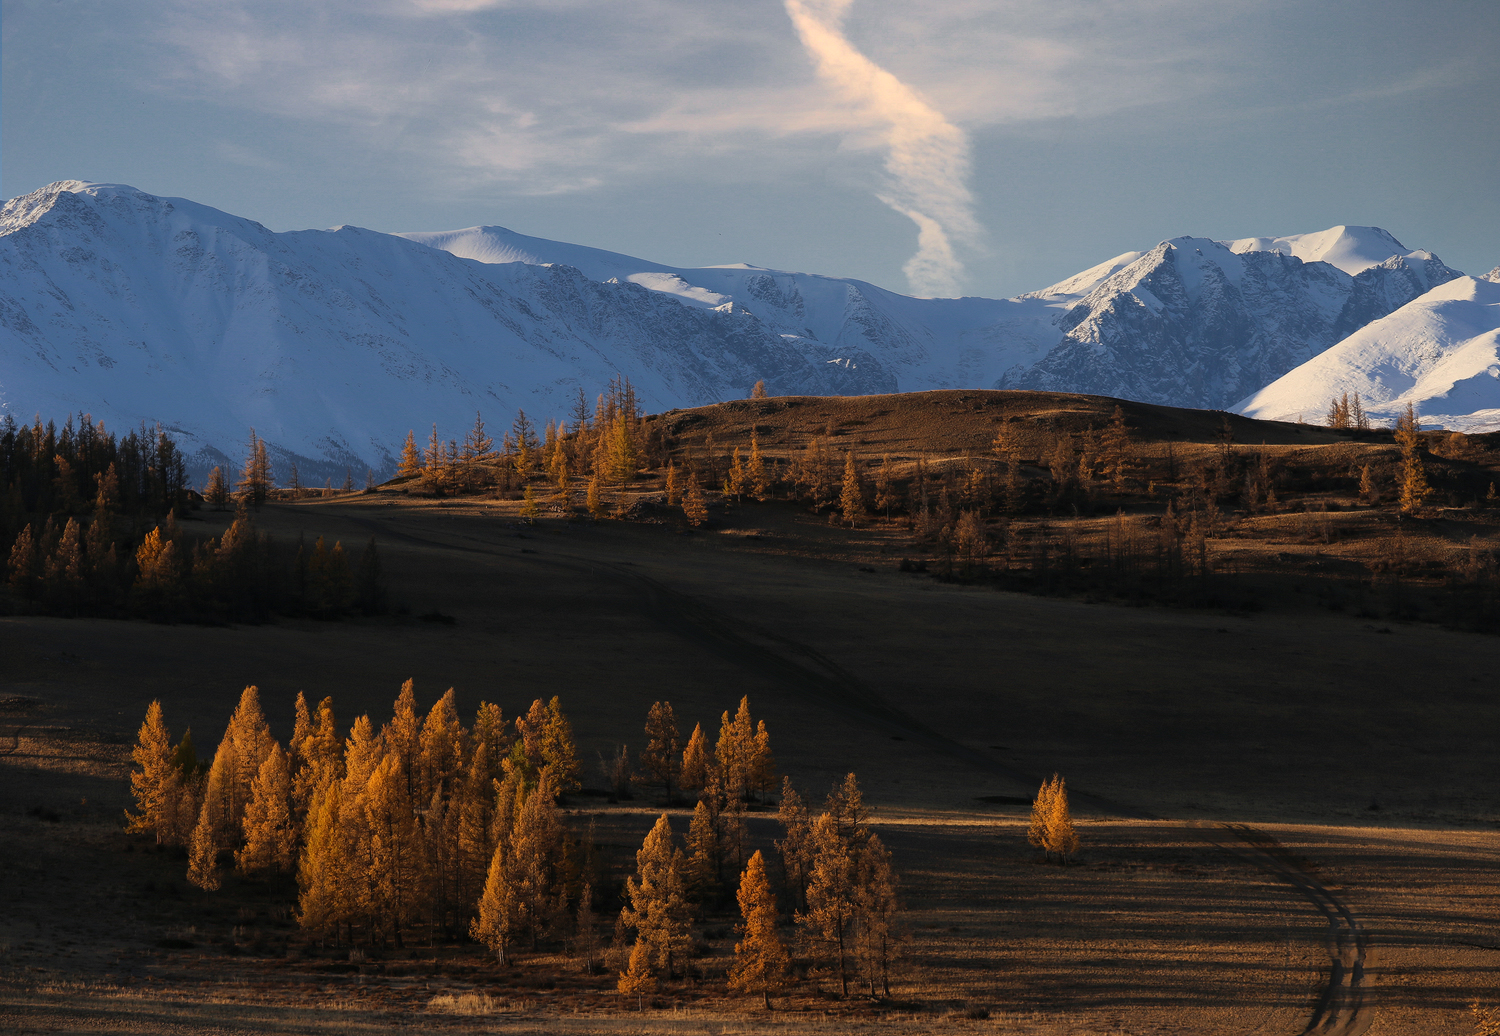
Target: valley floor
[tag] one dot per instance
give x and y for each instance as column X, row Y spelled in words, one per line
column 1358, row 759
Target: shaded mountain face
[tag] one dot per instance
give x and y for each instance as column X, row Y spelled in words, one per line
column 1192, row 323
column 332, row 344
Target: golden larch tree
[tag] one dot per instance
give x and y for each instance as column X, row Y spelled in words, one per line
column 694, row 507
column 852, row 493
column 704, row 856
column 796, row 848
column 538, row 871
column 1116, row 448
column 755, row 469
column 1414, row 486
column 876, row 881
column 661, row 761
column 639, row 976
column 658, row 908
column 325, row 873
column 831, row 891
column 203, row 853
column 1041, row 810
column 498, row 916
column 672, row 487
column 737, row 482
column 473, row 843
column 696, row 762
column 558, row 749
column 394, row 871
column 1062, row 839
column 156, row 781
column 270, row 828
column 411, row 458
column 760, row 959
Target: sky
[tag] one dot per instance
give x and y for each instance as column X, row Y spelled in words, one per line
column 977, row 147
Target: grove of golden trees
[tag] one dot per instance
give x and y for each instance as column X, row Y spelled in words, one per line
column 425, row 829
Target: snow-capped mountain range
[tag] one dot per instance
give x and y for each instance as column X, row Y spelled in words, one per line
column 333, row 343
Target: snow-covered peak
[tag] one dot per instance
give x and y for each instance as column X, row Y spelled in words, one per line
column 1351, row 249
column 23, row 211
column 1493, row 275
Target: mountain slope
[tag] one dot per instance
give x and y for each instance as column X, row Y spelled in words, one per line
column 333, row 343
column 1195, row 323
column 924, row 343
column 1440, row 353
column 1192, row 322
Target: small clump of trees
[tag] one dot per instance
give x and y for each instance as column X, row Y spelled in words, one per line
column 427, row 829
column 1051, row 829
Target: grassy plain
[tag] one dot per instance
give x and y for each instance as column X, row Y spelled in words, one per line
column 1356, row 750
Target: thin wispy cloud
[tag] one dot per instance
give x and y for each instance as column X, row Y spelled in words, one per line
column 487, row 98
column 927, row 157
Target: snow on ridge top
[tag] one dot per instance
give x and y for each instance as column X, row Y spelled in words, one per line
column 1085, row 282
column 482, row 244
column 1351, row 249
column 501, row 245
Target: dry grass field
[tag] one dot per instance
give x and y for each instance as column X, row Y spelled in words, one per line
column 1260, row 791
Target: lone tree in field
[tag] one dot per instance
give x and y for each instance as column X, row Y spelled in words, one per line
column 760, row 959
column 759, row 391
column 1051, row 828
column 661, row 759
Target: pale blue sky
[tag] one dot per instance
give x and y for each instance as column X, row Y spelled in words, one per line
column 1036, row 137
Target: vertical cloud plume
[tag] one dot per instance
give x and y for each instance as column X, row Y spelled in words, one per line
column 928, row 159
